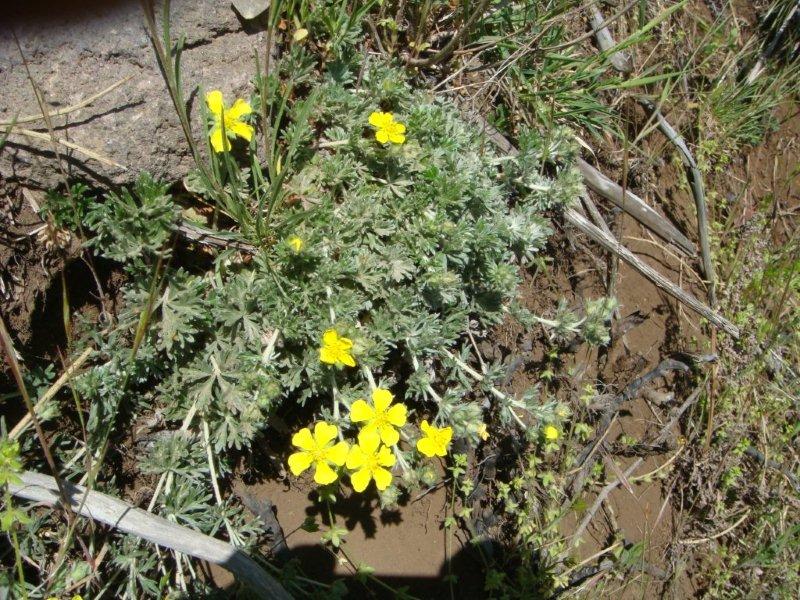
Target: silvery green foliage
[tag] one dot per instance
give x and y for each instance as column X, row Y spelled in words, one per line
column 545, row 168
column 403, row 247
column 403, row 244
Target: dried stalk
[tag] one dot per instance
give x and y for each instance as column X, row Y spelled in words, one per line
column 696, row 181
column 127, row 518
column 621, row 61
column 612, row 245
column 25, row 421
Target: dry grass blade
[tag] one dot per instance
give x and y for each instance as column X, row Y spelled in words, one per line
column 38, row 135
column 65, row 111
column 25, row 421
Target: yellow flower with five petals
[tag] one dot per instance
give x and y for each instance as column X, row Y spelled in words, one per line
column 435, row 441
column 550, row 433
column 336, row 350
column 318, row 450
column 296, row 243
column 382, row 417
column 369, row 460
column 228, row 118
column 386, row 128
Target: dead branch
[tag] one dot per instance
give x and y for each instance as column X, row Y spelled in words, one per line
column 621, row 61
column 129, row 519
column 696, row 181
column 635, row 207
column 612, row 245
column 209, row 237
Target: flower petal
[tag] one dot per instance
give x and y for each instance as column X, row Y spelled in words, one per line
column 396, row 415
column 324, row 433
column 396, row 138
column 382, row 477
column 425, row 427
column 381, row 398
column 445, row 435
column 330, row 337
column 299, row 462
column 355, row 458
column 360, row 479
column 345, row 343
column 219, row 142
column 215, row 103
column 369, row 441
column 240, row 108
column 338, row 453
column 382, row 136
column 361, row 411
column 347, row 359
column 243, row 130
column 426, row 446
column 389, row 435
column 304, row 440
column 324, row 474
column 380, row 119
column 327, row 355
column 386, row 457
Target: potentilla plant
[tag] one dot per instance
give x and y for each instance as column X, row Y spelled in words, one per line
column 370, row 228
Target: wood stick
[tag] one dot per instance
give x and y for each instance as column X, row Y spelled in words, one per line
column 635, row 207
column 621, row 61
column 612, row 245
column 210, row 237
column 696, row 181
column 127, row 518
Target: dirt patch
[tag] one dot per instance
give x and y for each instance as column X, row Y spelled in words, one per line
column 406, row 546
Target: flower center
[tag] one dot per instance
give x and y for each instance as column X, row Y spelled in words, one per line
column 230, row 122
column 381, row 419
column 371, row 462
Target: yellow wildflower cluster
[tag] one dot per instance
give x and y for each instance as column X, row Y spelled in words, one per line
column 371, row 457
column 368, row 459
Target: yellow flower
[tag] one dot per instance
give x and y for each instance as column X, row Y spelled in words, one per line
column 300, row 34
column 380, row 417
column 435, row 441
column 550, row 433
column 336, row 350
column 368, row 462
column 483, row 432
column 387, row 129
column 318, row 450
column 296, row 243
column 231, row 118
